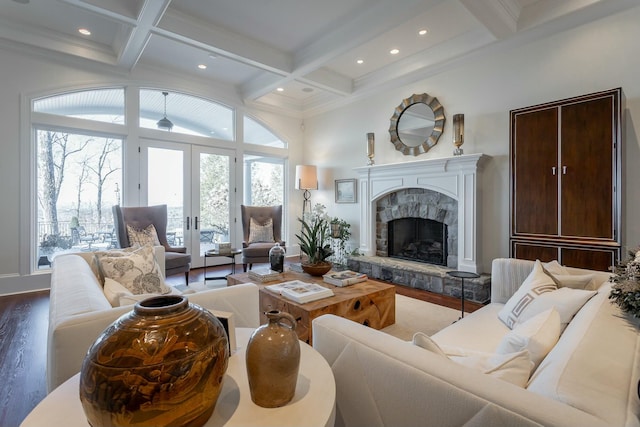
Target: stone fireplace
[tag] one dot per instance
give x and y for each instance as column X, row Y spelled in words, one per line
column 418, row 224
column 444, row 189
column 435, row 202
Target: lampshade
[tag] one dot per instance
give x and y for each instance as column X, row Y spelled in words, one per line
column 306, row 177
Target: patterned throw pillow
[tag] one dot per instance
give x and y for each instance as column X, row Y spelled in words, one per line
column 138, row 271
column 536, row 284
column 260, row 232
column 148, row 236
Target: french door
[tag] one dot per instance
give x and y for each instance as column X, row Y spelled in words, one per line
column 197, row 184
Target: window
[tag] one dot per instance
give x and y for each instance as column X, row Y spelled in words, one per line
column 79, row 179
column 80, row 164
column 103, row 105
column 255, row 133
column 190, row 115
column 264, row 180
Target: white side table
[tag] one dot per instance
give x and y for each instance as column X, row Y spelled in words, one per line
column 312, row 405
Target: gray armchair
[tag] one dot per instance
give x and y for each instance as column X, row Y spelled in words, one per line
column 176, row 259
column 258, row 252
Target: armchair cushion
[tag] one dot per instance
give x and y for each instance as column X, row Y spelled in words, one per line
column 147, row 236
column 260, row 232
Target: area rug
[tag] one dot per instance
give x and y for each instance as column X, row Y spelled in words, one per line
column 414, row 315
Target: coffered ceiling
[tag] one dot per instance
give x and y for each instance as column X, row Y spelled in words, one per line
column 308, row 49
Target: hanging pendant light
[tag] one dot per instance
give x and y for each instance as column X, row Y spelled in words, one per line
column 165, row 123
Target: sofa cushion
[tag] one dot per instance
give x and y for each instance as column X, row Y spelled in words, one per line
column 464, row 332
column 138, row 271
column 535, row 285
column 595, row 366
column 538, row 335
column 113, row 290
column 260, row 232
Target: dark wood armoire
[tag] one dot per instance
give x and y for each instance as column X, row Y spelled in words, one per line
column 566, row 189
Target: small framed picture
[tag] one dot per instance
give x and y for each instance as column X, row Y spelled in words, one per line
column 346, row 191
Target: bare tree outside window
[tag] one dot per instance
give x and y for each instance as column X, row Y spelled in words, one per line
column 78, row 176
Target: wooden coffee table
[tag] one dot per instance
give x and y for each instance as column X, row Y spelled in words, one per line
column 371, row 303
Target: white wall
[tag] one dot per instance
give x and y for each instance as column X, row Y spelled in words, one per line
column 591, row 58
column 25, row 75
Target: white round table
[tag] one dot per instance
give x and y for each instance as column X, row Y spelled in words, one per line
column 312, row 405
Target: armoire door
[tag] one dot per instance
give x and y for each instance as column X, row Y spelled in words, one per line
column 535, row 169
column 587, row 160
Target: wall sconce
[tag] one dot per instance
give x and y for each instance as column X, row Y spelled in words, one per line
column 306, row 179
column 371, row 147
column 458, row 133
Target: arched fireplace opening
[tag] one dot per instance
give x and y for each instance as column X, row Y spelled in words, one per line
column 418, row 239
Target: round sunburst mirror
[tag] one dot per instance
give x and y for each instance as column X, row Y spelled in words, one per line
column 416, row 124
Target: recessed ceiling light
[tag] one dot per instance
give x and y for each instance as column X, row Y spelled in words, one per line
column 84, row 31
column 422, row 32
column 202, row 66
column 394, row 51
column 280, row 89
column 360, row 61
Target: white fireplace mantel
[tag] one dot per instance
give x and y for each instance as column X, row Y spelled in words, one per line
column 456, row 176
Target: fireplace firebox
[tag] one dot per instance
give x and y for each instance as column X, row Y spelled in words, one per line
column 418, row 239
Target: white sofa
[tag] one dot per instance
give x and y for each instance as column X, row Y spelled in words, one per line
column 79, row 311
column 589, row 378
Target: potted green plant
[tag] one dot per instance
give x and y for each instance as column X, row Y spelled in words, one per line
column 625, row 292
column 314, row 239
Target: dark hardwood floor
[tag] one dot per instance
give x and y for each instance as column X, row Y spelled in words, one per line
column 24, row 319
column 23, row 343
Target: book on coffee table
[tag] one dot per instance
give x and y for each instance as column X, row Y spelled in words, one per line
column 301, row 292
column 344, row 278
column 264, row 275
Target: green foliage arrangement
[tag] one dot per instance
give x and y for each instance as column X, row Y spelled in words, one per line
column 314, row 237
column 625, row 291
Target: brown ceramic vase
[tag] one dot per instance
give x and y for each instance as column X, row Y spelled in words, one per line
column 162, row 364
column 273, row 360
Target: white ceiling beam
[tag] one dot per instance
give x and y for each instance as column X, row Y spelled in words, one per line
column 500, row 17
column 138, row 37
column 367, row 24
column 194, row 32
column 41, row 38
column 328, row 80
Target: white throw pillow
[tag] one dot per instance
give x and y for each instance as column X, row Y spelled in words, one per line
column 260, row 232
column 536, row 284
column 511, row 367
column 538, row 335
column 566, row 300
column 563, row 278
column 423, row 340
column 138, row 271
column 514, row 367
column 131, row 299
column 113, row 291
